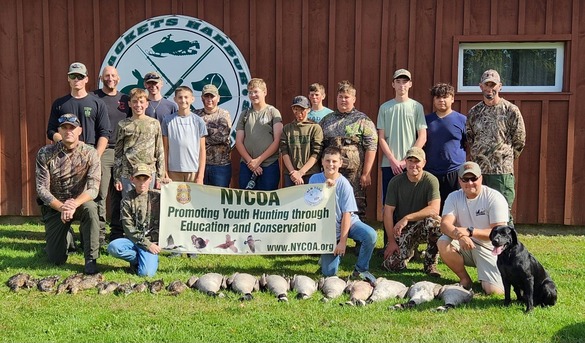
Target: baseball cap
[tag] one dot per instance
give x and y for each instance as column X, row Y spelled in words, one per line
column 416, row 152
column 77, row 68
column 402, row 72
column 302, row 101
column 142, row 169
column 490, row 75
column 210, row 89
column 469, row 168
column 152, row 76
column 70, row 119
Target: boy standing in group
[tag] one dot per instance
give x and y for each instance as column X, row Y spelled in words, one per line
column 300, row 145
column 158, row 107
column 184, row 140
column 140, row 220
column 139, row 142
column 257, row 140
column 218, row 166
column 348, row 224
column 317, row 95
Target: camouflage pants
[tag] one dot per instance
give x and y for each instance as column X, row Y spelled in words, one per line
column 354, row 176
column 422, row 231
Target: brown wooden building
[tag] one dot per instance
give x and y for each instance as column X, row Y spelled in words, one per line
column 292, row 43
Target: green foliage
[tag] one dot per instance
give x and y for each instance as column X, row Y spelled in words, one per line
column 32, row 316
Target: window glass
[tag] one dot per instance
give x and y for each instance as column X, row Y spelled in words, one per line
column 523, row 67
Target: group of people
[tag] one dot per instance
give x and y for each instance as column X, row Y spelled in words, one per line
column 126, row 145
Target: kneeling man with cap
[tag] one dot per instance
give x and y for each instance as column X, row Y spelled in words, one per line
column 469, row 215
column 411, row 215
column 68, row 175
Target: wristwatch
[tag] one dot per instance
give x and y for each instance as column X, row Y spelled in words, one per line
column 470, row 230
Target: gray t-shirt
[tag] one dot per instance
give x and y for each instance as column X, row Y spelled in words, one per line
column 258, row 129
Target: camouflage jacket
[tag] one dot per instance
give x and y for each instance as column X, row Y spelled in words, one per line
column 62, row 174
column 496, row 136
column 353, row 132
column 139, row 141
column 140, row 214
column 217, row 142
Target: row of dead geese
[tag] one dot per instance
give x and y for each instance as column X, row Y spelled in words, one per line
column 360, row 292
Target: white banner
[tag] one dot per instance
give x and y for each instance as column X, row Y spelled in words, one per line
column 213, row 220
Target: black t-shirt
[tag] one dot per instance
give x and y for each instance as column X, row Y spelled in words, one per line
column 91, row 111
column 118, row 109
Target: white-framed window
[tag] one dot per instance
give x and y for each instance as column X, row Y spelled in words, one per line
column 523, row 67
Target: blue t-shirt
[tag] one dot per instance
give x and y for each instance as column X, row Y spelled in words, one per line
column 344, row 202
column 445, row 147
column 316, row 116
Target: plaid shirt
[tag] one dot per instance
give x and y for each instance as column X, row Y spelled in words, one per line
column 62, row 174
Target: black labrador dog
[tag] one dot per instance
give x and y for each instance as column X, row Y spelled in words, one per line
column 521, row 270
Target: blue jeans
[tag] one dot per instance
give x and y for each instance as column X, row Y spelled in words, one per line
column 146, row 262
column 359, row 232
column 220, row 176
column 268, row 181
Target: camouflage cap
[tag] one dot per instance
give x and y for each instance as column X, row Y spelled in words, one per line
column 469, row 168
column 210, row 89
column 417, row 153
column 70, row 119
column 142, row 169
column 77, row 68
column 490, row 75
column 402, row 72
column 152, row 77
column 302, row 101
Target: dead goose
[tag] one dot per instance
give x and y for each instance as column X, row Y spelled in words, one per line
column 387, row 289
column 276, row 284
column 177, row 287
column 332, row 287
column 140, row 287
column 359, row 291
column 453, row 296
column 243, row 283
column 420, row 292
column 48, row 283
column 210, row 284
column 21, row 280
column 303, row 285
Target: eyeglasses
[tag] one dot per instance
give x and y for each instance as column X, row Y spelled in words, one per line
column 76, row 76
column 72, row 120
column 467, row 179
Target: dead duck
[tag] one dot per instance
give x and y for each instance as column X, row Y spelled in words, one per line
column 243, row 283
column 124, row 289
column 21, row 280
column 70, row 282
column 453, row 296
column 140, row 287
column 277, row 285
column 387, row 289
column 303, row 285
column 359, row 291
column 106, row 287
column 331, row 287
column 47, row 284
column 86, row 282
column 210, row 284
column 176, row 287
column 156, row 286
column 420, row 292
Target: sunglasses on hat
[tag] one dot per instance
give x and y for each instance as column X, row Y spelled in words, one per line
column 72, row 120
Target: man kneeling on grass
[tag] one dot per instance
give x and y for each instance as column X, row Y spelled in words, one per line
column 348, row 224
column 140, row 220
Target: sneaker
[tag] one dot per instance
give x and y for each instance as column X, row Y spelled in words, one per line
column 90, row 267
column 365, row 276
column 432, row 271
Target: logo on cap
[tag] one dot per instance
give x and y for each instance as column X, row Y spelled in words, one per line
column 77, row 68
column 490, row 76
column 302, row 101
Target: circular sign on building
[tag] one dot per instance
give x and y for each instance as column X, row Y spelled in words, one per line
column 185, row 51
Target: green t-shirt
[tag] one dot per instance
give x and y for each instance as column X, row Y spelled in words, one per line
column 409, row 197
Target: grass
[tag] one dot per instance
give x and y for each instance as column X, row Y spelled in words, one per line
column 32, row 316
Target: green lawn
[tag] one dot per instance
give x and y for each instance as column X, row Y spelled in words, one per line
column 32, row 316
